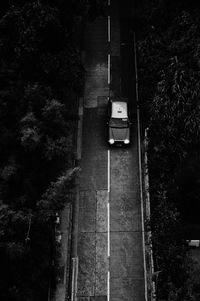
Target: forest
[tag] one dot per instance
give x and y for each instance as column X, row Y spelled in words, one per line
column 41, row 77
column 169, row 91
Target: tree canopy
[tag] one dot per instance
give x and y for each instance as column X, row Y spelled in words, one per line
column 168, row 50
column 41, row 76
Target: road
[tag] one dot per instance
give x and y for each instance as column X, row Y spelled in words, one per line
column 110, row 254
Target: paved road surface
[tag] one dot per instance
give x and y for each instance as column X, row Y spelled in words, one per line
column 125, row 265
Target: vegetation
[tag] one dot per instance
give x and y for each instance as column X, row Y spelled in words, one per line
column 169, row 91
column 41, row 76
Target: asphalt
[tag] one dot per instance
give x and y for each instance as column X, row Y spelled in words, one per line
column 125, row 264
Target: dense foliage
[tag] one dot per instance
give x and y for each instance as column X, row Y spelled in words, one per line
column 169, row 93
column 40, row 78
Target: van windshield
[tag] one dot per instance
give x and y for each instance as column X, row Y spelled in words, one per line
column 118, row 122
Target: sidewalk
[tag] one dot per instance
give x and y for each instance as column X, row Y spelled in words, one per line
column 91, row 235
column 94, row 175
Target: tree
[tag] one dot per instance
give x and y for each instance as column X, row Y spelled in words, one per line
column 57, row 194
column 169, row 93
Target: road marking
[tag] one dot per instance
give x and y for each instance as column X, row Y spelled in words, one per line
column 108, row 205
column 108, row 69
column 140, row 168
column 108, row 170
column 108, row 229
column 108, row 287
column 108, row 28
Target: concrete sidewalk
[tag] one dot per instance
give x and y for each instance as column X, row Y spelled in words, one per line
column 92, row 155
column 92, row 222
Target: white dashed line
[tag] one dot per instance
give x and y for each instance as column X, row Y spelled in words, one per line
column 108, row 287
column 108, row 171
column 108, row 69
column 108, row 28
column 108, row 229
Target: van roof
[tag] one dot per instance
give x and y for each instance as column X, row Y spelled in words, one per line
column 119, row 109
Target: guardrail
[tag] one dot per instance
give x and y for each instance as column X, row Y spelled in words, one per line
column 150, row 285
column 140, row 165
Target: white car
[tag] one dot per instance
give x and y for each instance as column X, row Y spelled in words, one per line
column 118, row 121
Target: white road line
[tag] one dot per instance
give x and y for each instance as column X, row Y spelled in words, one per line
column 108, row 69
column 108, row 287
column 108, row 207
column 108, row 170
column 108, row 229
column 140, row 168
column 108, row 28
